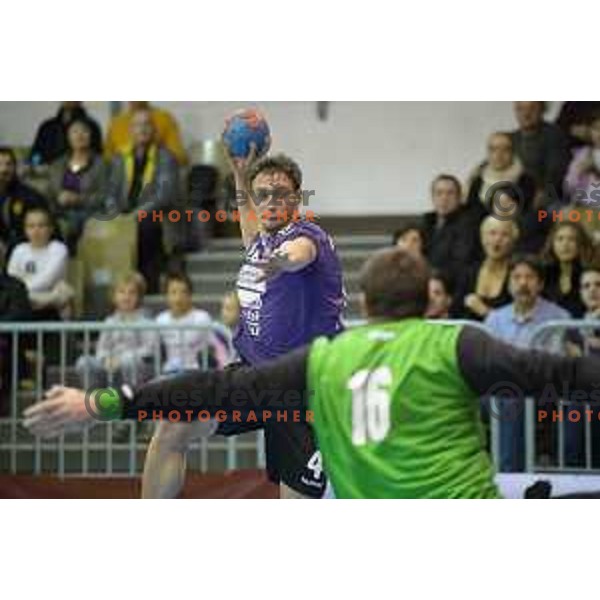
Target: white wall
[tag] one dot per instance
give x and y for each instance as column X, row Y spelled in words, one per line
column 367, row 158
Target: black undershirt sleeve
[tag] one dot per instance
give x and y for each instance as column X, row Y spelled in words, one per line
column 276, row 384
column 487, row 363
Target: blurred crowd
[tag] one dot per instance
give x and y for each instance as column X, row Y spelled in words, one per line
column 71, row 173
column 517, row 246
column 531, row 198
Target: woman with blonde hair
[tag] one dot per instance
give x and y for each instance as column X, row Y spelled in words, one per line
column 484, row 285
column 122, row 355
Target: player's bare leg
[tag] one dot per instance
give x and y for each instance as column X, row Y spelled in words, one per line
column 287, row 493
column 164, row 468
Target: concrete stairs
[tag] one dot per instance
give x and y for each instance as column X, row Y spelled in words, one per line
column 214, row 271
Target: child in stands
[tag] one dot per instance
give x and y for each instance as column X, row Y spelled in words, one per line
column 122, row 355
column 188, row 349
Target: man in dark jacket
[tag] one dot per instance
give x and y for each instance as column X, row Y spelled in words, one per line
column 51, row 138
column 451, row 234
column 542, row 147
column 574, row 120
column 15, row 199
column 14, row 306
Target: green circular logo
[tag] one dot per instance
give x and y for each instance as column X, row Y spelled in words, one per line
column 104, row 404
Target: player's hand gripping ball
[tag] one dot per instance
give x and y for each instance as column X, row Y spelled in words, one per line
column 244, row 128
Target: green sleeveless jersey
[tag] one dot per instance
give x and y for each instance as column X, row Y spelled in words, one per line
column 393, row 415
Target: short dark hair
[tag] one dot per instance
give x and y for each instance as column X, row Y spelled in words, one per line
column 532, row 261
column 395, row 284
column 409, row 226
column 82, row 120
column 591, row 267
column 280, row 163
column 447, row 177
column 8, row 151
column 180, row 277
column 40, row 208
column 444, row 279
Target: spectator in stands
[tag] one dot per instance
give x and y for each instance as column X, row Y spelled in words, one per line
column 484, row 285
column 41, row 264
column 541, row 146
column 590, row 296
column 77, row 182
column 567, row 249
column 451, row 235
column 14, row 301
column 582, row 183
column 516, row 323
column 144, row 178
column 575, row 119
column 585, row 342
column 440, row 296
column 15, row 199
column 119, row 138
column 230, row 310
column 122, row 355
column 499, row 185
column 410, row 237
column 188, row 349
column 51, row 138
column 14, row 306
column 230, row 316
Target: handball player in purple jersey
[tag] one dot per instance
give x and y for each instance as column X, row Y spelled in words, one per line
column 290, row 291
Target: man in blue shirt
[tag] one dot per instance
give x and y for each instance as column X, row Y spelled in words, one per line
column 515, row 323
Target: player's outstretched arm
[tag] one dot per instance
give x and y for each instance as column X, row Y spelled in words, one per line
column 487, row 364
column 291, row 257
column 67, row 408
column 228, row 390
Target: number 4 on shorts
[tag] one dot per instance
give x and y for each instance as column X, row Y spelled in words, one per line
column 315, row 464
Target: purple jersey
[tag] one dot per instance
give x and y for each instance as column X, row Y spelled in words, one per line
column 288, row 310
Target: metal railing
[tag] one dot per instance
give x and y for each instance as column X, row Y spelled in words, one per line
column 34, row 356
column 117, row 449
column 550, row 336
column 577, row 455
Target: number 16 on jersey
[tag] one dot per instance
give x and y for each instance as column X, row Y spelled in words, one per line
column 370, row 405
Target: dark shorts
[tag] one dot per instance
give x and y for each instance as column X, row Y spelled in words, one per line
column 292, row 455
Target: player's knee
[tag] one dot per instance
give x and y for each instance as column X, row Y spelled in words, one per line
column 173, row 437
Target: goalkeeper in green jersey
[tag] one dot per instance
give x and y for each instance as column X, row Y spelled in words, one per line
column 394, row 402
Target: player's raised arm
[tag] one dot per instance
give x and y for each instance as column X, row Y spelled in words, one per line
column 488, row 365
column 65, row 408
column 244, row 201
